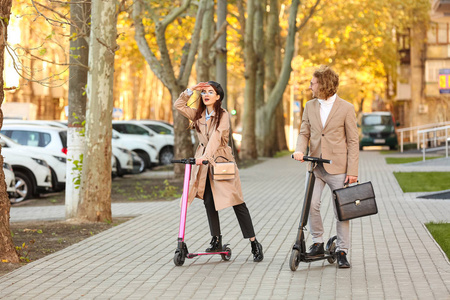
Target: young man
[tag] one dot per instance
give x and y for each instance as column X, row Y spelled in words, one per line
column 329, row 126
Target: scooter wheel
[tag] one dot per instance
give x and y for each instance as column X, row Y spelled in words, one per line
column 178, row 258
column 226, row 257
column 331, row 249
column 294, row 260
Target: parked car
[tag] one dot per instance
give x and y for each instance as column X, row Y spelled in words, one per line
column 31, row 172
column 164, row 128
column 377, row 129
column 159, row 127
column 124, row 160
column 52, row 139
column 139, row 143
column 162, row 142
column 56, row 161
column 52, row 123
column 10, row 181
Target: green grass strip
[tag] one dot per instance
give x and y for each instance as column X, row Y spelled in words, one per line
column 405, row 160
column 384, row 152
column 423, row 181
column 441, row 233
column 282, row 153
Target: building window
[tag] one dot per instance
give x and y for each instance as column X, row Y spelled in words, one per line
column 432, row 69
column 404, row 45
column 439, row 34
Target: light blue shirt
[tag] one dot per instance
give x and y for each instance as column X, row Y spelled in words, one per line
column 208, row 116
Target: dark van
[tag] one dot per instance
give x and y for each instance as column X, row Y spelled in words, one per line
column 377, row 129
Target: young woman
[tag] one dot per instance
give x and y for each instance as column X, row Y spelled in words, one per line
column 212, row 124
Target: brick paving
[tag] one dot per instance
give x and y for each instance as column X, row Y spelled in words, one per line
column 393, row 256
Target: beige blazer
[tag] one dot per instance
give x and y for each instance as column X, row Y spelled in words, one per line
column 212, row 144
column 338, row 140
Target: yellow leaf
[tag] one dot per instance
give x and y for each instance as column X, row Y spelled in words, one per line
column 4, row 261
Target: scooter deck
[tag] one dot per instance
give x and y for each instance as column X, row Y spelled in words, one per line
column 192, row 255
column 315, row 258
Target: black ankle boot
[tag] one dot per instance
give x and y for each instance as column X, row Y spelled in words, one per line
column 216, row 244
column 257, row 251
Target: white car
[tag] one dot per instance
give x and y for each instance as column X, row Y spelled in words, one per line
column 56, row 161
column 10, row 180
column 34, row 122
column 162, row 142
column 53, row 139
column 139, row 144
column 124, row 160
column 159, row 127
column 31, row 171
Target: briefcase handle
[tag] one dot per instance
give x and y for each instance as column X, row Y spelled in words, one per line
column 347, row 185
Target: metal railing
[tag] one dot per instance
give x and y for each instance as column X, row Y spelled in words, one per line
column 412, row 133
column 435, row 136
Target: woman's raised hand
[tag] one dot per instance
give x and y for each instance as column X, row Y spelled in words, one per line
column 200, row 86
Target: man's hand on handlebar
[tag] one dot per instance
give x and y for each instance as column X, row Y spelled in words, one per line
column 298, row 156
column 350, row 179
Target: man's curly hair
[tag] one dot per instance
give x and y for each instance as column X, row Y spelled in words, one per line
column 328, row 82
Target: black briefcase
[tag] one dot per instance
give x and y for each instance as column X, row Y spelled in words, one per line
column 355, row 201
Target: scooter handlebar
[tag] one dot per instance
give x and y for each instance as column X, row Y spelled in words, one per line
column 187, row 161
column 315, row 159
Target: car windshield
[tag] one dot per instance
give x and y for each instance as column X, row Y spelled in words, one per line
column 372, row 120
column 159, row 129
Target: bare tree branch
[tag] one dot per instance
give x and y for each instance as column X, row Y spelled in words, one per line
column 183, row 77
column 139, row 35
column 219, row 32
column 51, row 21
column 311, row 12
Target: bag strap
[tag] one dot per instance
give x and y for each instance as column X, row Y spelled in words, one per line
column 222, row 157
column 232, row 139
column 232, row 143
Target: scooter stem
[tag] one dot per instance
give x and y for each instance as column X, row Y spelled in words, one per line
column 184, row 201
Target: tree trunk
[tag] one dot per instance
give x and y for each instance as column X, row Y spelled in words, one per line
column 203, row 60
column 7, row 250
column 248, row 147
column 221, row 50
column 267, row 112
column 78, row 73
column 96, row 177
column 280, row 133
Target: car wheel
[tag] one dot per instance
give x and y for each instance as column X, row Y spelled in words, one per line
column 145, row 158
column 138, row 164
column 24, row 186
column 55, row 187
column 166, row 156
column 120, row 171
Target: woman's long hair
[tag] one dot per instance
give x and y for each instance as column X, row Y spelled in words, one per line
column 217, row 106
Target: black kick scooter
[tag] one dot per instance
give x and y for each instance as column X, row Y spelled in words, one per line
column 298, row 253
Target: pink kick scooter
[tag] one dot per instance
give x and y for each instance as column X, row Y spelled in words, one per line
column 182, row 252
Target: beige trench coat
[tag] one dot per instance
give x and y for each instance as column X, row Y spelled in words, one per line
column 212, row 144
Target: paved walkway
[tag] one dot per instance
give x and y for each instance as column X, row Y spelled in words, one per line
column 392, row 256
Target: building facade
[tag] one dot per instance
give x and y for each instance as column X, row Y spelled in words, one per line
column 424, row 51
